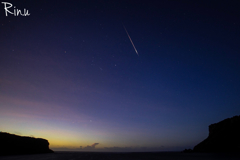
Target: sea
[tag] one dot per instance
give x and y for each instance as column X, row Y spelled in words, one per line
column 125, row 156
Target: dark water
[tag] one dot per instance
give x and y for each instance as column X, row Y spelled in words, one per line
column 124, row 156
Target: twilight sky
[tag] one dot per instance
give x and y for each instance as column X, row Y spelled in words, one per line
column 69, row 72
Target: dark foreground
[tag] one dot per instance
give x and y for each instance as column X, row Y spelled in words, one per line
column 223, row 137
column 124, row 156
column 11, row 144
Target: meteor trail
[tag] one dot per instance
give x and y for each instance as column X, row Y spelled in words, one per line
column 131, row 40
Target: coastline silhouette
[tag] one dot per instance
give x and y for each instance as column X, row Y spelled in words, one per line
column 14, row 145
column 224, row 136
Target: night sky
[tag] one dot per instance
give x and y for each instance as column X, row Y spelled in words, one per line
column 70, row 74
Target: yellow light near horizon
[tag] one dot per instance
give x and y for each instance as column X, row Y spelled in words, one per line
column 62, row 138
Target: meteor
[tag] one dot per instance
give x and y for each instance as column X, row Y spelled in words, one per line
column 131, row 40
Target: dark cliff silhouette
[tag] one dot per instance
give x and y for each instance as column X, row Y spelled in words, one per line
column 11, row 144
column 223, row 136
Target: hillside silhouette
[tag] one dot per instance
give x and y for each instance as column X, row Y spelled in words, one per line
column 13, row 145
column 224, row 136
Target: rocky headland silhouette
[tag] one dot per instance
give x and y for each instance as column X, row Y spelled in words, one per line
column 224, row 136
column 11, row 144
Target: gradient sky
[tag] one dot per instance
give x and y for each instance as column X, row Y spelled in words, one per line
column 69, row 73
